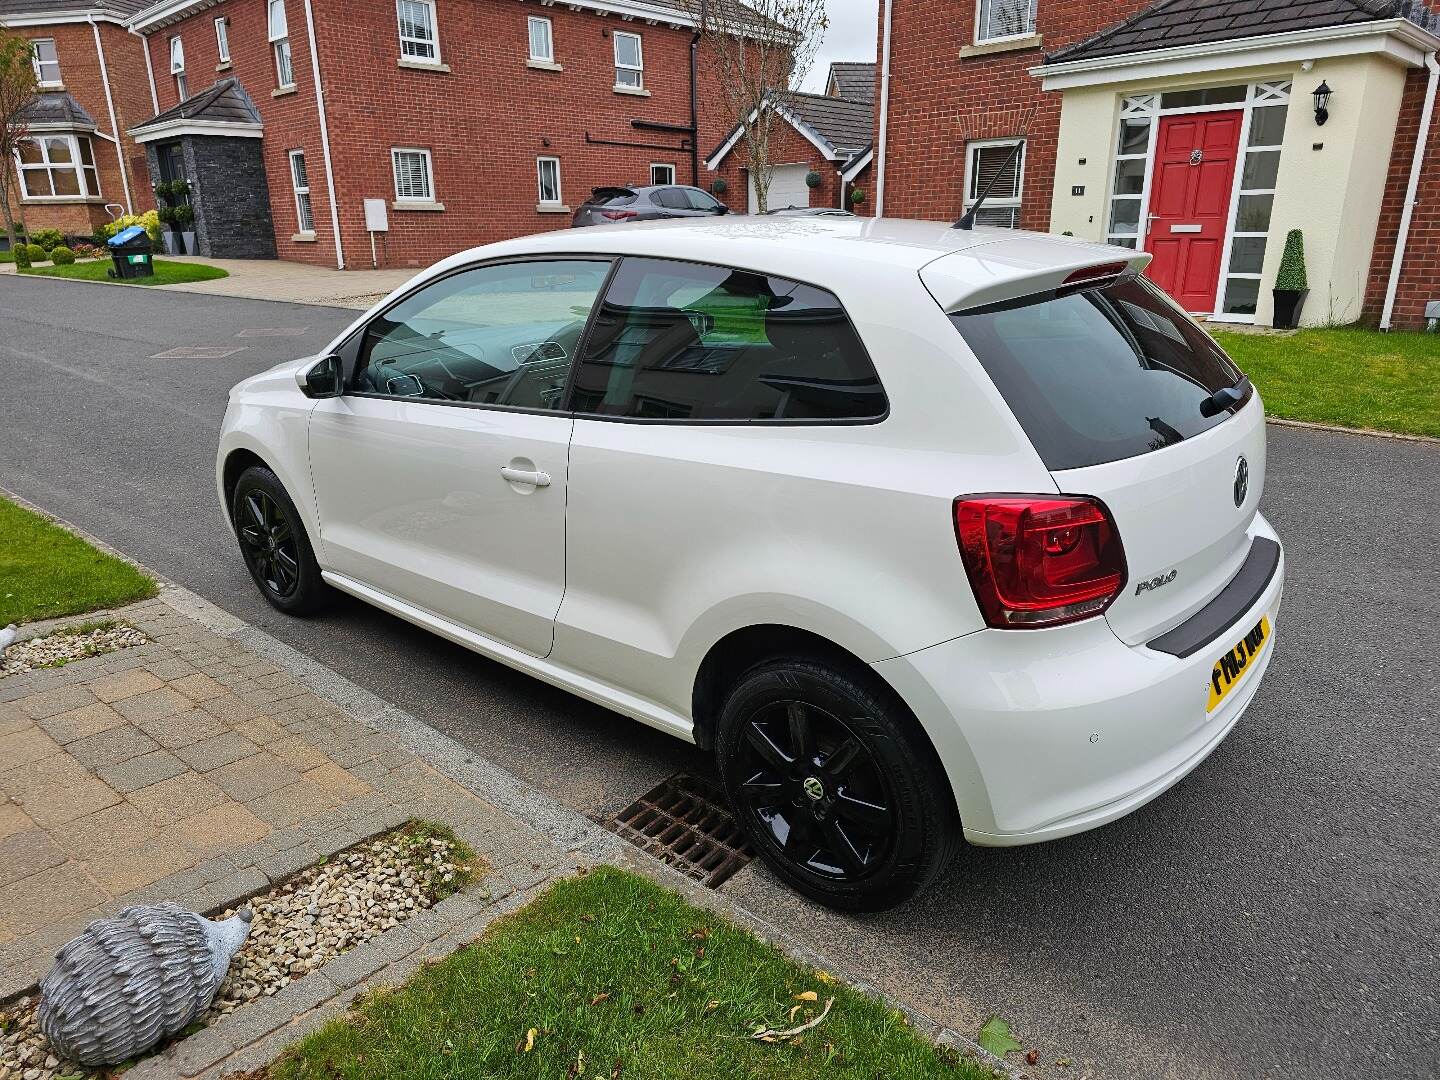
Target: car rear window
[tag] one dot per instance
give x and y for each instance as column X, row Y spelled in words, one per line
column 1101, row 374
column 611, row 197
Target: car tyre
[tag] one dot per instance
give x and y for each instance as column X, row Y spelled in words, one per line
column 274, row 544
column 834, row 784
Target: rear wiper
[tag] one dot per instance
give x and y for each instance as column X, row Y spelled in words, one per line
column 1226, row 397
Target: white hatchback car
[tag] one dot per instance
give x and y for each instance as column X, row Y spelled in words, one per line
column 925, row 532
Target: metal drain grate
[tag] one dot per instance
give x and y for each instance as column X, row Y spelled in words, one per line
column 684, row 822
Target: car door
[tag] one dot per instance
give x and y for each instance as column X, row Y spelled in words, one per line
column 440, row 474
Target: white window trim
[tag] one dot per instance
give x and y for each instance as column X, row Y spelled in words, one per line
column 619, row 67
column 1026, row 33
column 222, row 39
column 413, row 200
column 540, row 199
column 661, row 165
column 995, row 202
column 177, row 55
column 434, row 41
column 45, row 165
column 549, row 37
column 277, row 40
column 40, row 65
column 298, row 190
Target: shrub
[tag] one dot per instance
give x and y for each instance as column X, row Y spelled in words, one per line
column 184, row 214
column 718, row 186
column 1291, row 276
column 61, row 255
column 22, row 256
column 166, row 215
column 813, row 179
column 47, row 238
column 150, row 220
column 36, row 253
column 857, row 196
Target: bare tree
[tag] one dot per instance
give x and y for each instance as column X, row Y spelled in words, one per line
column 17, row 94
column 762, row 51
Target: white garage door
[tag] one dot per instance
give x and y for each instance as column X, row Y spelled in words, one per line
column 787, row 188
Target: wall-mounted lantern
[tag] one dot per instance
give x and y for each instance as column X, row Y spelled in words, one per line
column 1322, row 103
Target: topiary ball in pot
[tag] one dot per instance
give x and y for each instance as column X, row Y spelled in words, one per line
column 813, row 179
column 1291, row 283
column 857, row 196
column 718, row 186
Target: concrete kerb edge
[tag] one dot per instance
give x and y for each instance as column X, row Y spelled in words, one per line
column 566, row 828
column 183, row 287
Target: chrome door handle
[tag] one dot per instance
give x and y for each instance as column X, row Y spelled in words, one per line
column 534, row 477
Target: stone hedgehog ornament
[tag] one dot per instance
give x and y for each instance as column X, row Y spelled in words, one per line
column 127, row 983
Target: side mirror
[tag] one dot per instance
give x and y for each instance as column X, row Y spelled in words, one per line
column 721, row 209
column 320, row 380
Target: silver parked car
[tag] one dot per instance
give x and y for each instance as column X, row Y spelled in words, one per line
column 609, row 205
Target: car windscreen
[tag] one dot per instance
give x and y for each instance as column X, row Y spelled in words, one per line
column 1100, row 374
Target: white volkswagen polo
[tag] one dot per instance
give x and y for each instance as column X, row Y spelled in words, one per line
column 926, row 533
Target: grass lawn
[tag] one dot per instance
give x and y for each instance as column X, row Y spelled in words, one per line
column 166, row 272
column 47, row 571
column 611, row 976
column 1347, row 376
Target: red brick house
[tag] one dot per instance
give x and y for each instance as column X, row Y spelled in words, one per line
column 1187, row 128
column 78, row 159
column 819, row 148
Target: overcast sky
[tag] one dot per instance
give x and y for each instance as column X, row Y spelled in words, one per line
column 851, row 36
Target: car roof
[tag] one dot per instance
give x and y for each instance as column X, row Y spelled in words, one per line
column 827, row 251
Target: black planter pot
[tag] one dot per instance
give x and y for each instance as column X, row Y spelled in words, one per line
column 1288, row 303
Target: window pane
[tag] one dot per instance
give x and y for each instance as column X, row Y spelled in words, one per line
column 30, row 152
column 699, row 200
column 1134, row 136
column 86, row 155
column 1247, row 254
column 278, row 28
column 1261, row 169
column 1241, row 296
column 687, row 342
column 1211, row 95
column 1100, row 375
column 628, row 77
column 548, row 170
column 1005, row 18
column 1130, row 176
column 1267, row 125
column 627, row 50
column 1253, row 213
column 671, row 199
column 999, row 217
column 662, row 174
column 283, row 73
column 66, row 181
column 412, row 175
column 177, row 55
column 92, row 180
column 1123, row 241
column 37, row 182
column 540, row 44
column 1125, row 217
column 496, row 335
column 297, row 168
column 989, row 163
column 305, row 216
column 417, row 33
column 59, row 151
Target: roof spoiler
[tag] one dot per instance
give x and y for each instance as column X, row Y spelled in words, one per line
column 612, row 189
column 1022, row 266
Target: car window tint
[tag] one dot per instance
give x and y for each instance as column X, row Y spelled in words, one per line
column 685, row 341
column 495, row 335
column 611, row 197
column 671, row 198
column 1101, row 374
column 698, row 200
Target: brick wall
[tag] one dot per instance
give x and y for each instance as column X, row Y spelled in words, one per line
column 1420, row 274
column 80, row 71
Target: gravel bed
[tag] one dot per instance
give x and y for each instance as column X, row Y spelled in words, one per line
column 314, row 917
column 65, row 645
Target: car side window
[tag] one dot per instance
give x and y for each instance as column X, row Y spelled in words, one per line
column 687, row 341
column 698, row 200
column 494, row 335
column 672, row 199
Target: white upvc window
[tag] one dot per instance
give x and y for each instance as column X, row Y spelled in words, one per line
column 222, row 39
column 989, row 160
column 661, row 173
column 998, row 19
column 548, row 174
column 300, row 179
column 542, row 39
column 629, row 61
column 46, row 62
column 177, row 66
column 279, row 33
column 57, row 167
column 418, row 39
column 414, row 181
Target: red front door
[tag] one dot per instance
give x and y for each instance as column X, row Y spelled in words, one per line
column 1190, row 204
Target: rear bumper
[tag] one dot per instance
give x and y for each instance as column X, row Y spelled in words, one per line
column 1049, row 733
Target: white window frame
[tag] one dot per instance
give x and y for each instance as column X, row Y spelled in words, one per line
column 661, row 165
column 40, row 65
column 540, row 199
column 431, row 43
column 995, row 202
column 222, row 39
column 177, row 55
column 429, row 197
column 639, row 68
column 75, row 164
column 530, row 25
column 981, row 37
column 304, row 208
column 279, row 38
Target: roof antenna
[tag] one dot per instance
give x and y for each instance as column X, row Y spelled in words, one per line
column 967, row 220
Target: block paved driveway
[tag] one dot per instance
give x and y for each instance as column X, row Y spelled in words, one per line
column 1276, row 911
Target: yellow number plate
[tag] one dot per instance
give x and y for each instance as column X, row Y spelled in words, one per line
column 1231, row 667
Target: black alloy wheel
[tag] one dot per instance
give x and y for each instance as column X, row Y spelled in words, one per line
column 267, row 536
column 811, row 783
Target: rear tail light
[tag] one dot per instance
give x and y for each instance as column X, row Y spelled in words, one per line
column 1037, row 560
column 1090, row 274
column 618, row 215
